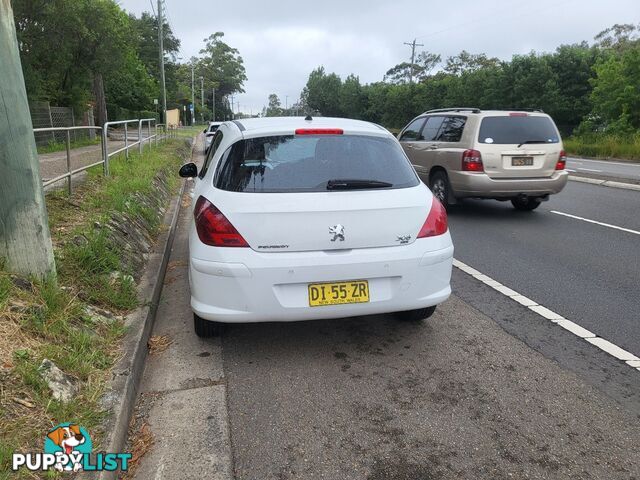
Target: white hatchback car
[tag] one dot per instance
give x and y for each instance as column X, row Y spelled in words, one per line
column 299, row 219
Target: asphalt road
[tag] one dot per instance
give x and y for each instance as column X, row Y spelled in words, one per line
column 484, row 389
column 586, row 272
column 604, row 168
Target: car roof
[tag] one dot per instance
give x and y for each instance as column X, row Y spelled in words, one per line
column 254, row 127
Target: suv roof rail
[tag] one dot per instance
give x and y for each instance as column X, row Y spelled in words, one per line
column 455, row 109
column 539, row 110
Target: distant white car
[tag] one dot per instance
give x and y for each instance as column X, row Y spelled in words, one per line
column 300, row 219
column 209, row 132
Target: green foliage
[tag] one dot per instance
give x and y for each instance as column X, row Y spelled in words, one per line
column 601, row 145
column 595, row 88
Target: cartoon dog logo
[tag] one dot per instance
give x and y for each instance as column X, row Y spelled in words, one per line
column 69, row 438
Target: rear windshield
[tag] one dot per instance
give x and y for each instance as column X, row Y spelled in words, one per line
column 517, row 130
column 307, row 163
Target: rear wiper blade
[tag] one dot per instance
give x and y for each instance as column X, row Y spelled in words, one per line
column 349, row 184
column 532, row 141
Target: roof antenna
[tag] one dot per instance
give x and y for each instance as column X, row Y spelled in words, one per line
column 308, row 118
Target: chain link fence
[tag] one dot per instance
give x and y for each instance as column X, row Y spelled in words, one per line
column 43, row 115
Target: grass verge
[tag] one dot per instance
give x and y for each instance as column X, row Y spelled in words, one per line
column 50, row 319
column 605, row 146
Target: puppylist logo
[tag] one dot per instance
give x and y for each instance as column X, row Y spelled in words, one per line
column 68, row 448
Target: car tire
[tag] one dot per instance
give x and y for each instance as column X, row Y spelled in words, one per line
column 439, row 186
column 416, row 315
column 205, row 328
column 525, row 204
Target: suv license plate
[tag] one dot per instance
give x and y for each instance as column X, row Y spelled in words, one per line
column 339, row 293
column 522, row 161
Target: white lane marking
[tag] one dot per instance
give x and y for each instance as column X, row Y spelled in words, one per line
column 612, row 349
column 589, row 169
column 581, row 332
column 603, row 162
column 628, row 230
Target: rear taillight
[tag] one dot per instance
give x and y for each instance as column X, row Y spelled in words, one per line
column 213, row 227
column 562, row 161
column 319, row 131
column 436, row 222
column 472, row 161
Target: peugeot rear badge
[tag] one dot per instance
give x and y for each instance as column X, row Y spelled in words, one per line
column 338, row 232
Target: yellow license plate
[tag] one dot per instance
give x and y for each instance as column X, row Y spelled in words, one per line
column 339, row 293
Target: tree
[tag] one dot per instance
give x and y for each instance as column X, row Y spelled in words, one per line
column 618, row 37
column 466, row 62
column 275, row 107
column 425, row 62
column 352, row 98
column 616, row 91
column 322, row 93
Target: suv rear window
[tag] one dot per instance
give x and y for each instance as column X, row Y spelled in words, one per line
column 517, row 130
column 306, row 163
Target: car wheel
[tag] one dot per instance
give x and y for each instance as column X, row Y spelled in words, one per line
column 205, row 328
column 439, row 185
column 416, row 315
column 525, row 203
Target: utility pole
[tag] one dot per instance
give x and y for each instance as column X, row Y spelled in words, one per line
column 213, row 103
column 192, row 111
column 202, row 92
column 25, row 241
column 413, row 46
column 161, row 60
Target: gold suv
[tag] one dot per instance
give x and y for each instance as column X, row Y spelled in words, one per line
column 473, row 153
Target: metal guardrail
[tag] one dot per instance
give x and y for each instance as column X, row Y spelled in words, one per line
column 104, row 139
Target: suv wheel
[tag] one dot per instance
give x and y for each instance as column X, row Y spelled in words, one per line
column 416, row 315
column 439, row 185
column 525, row 203
column 205, row 328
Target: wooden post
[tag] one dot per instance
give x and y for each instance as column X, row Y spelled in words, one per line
column 25, row 241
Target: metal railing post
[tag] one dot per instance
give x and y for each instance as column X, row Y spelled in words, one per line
column 126, row 143
column 70, row 188
column 140, row 137
column 149, row 133
column 105, row 151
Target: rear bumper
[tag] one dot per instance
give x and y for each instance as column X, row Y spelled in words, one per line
column 466, row 184
column 262, row 287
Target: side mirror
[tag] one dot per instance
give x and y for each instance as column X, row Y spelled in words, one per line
column 188, row 170
column 204, row 131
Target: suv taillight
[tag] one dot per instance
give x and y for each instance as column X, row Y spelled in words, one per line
column 472, row 161
column 213, row 227
column 436, row 222
column 562, row 161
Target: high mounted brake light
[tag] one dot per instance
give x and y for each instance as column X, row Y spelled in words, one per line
column 518, row 114
column 319, row 131
column 213, row 227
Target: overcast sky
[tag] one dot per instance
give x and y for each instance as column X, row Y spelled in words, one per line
column 282, row 41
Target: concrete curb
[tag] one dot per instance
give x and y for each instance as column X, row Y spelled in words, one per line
column 128, row 372
column 606, row 183
column 121, row 399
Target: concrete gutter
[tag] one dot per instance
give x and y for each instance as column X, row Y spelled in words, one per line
column 121, row 398
column 606, row 183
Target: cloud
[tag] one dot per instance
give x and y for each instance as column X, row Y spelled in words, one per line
column 282, row 41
